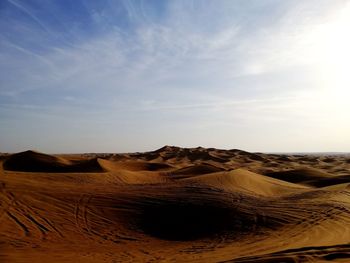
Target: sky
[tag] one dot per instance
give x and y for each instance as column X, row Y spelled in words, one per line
column 126, row 76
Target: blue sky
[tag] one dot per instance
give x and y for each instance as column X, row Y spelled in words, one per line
column 120, row 76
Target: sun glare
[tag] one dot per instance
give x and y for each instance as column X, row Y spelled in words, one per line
column 333, row 55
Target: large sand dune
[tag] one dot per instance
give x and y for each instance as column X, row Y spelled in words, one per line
column 174, row 205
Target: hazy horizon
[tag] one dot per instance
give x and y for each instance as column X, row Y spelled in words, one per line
column 155, row 149
column 125, row 76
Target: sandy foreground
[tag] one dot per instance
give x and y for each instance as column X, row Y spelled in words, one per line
column 175, row 205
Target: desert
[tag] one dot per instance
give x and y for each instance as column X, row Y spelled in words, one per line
column 175, row 205
column 174, row 131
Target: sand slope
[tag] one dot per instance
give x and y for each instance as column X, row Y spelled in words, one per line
column 174, row 204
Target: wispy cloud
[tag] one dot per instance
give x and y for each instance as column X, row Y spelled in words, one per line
column 28, row 12
column 194, row 63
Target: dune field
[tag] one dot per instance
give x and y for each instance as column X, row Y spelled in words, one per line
column 175, row 205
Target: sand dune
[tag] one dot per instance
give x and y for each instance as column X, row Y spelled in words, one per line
column 242, row 180
column 31, row 161
column 138, row 166
column 193, row 170
column 310, row 176
column 301, row 175
column 174, row 204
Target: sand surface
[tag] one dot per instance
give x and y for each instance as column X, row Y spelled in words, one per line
column 174, row 205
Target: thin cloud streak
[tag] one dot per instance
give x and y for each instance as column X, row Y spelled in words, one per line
column 176, row 63
column 30, row 14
